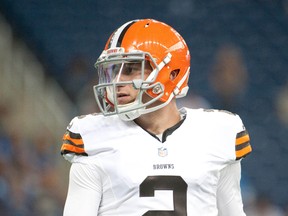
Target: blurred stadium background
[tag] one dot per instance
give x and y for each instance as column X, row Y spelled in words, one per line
column 47, row 52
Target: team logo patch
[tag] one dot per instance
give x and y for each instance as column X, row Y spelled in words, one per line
column 162, row 152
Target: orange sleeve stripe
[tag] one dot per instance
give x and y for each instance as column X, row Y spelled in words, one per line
column 243, row 152
column 75, row 141
column 242, row 139
column 72, row 149
column 69, row 142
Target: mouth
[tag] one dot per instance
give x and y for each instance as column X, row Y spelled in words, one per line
column 120, row 95
column 123, row 98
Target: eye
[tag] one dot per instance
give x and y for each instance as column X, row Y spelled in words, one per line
column 116, row 68
column 131, row 68
column 127, row 70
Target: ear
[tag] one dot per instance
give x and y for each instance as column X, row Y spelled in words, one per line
column 174, row 74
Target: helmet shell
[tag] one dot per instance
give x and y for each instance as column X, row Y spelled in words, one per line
column 158, row 39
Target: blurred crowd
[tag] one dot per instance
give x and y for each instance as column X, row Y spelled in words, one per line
column 31, row 182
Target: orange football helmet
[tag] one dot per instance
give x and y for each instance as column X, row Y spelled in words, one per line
column 142, row 41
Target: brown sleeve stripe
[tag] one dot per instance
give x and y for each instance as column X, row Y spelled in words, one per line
column 72, row 143
column 74, row 135
column 242, row 145
column 241, row 134
column 69, row 136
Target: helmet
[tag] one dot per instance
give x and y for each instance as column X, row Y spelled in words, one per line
column 142, row 41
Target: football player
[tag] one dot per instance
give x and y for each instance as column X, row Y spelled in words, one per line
column 143, row 155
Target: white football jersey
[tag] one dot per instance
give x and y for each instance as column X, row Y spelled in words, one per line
column 140, row 175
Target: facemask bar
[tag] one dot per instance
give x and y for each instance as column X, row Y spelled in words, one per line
column 105, row 91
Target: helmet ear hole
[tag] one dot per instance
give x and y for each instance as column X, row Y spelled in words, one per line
column 174, row 74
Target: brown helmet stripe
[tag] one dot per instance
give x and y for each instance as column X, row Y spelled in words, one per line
column 118, row 35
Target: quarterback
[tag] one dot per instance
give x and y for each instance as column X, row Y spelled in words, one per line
column 142, row 155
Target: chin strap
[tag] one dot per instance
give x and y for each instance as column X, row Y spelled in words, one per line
column 129, row 116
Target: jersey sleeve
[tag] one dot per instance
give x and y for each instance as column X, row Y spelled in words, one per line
column 233, row 141
column 84, row 191
column 229, row 199
column 242, row 141
column 72, row 142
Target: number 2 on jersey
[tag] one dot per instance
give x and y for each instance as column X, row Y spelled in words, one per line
column 174, row 183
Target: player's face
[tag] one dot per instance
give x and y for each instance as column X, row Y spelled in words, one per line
column 132, row 71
